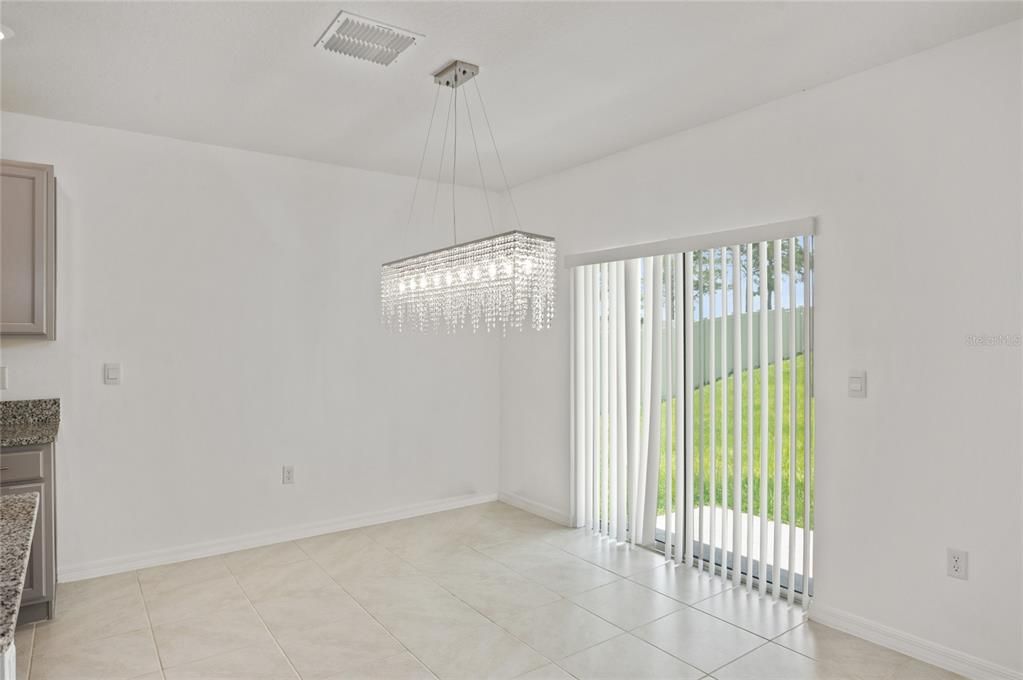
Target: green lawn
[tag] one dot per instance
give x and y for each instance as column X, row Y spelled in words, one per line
column 704, row 395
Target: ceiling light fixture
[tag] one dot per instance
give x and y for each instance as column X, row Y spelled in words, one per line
column 501, row 281
column 368, row 39
column 5, row 32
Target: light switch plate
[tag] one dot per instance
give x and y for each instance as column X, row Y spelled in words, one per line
column 111, row 374
column 857, row 384
column 3, row 377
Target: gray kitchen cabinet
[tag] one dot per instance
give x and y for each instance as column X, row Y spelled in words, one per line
column 28, row 233
column 22, row 470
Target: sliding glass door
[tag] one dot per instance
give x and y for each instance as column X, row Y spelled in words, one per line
column 694, row 407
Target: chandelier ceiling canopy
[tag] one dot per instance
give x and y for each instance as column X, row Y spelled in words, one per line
column 506, row 280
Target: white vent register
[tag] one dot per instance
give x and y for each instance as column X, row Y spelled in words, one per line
column 355, row 36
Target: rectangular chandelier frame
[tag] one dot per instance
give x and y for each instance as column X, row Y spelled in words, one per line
column 501, row 281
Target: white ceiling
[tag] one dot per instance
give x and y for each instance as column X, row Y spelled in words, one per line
column 565, row 83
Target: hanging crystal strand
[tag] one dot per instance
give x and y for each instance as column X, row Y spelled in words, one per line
column 505, row 281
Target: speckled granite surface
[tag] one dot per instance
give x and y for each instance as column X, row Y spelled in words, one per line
column 17, row 525
column 28, row 422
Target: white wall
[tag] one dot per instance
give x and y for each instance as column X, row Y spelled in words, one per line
column 914, row 170
column 240, row 291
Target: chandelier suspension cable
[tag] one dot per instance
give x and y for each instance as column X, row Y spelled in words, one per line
column 440, row 167
column 454, row 166
column 422, row 160
column 479, row 164
column 497, row 152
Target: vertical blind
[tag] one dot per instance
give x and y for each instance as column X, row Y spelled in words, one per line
column 692, row 407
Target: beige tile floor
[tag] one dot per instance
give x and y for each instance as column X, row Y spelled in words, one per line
column 486, row 591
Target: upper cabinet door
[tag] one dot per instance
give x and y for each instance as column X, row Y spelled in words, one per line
column 27, row 249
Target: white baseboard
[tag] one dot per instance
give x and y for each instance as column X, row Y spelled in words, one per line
column 534, row 507
column 911, row 645
column 116, row 565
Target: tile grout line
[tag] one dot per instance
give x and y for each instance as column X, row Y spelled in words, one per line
column 368, row 613
column 179, row 621
column 149, row 620
column 252, row 606
column 97, row 638
column 176, row 621
column 277, row 644
column 31, row 651
column 731, row 661
column 774, row 642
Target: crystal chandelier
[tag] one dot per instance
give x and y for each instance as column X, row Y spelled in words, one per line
column 503, row 281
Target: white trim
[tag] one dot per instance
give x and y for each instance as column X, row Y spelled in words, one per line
column 9, row 663
column 116, row 565
column 911, row 645
column 688, row 244
column 534, row 507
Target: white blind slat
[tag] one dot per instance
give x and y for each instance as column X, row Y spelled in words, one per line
column 685, row 306
column 706, row 437
column 807, row 445
column 595, row 407
column 647, row 372
column 725, row 524
column 778, row 320
column 577, row 396
column 669, row 427
column 588, row 321
column 602, row 517
column 612, row 402
column 712, row 324
column 653, row 447
column 737, row 400
column 633, row 358
column 749, row 417
column 765, row 478
column 622, row 401
column 792, row 421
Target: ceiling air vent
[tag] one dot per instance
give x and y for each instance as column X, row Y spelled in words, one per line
column 363, row 38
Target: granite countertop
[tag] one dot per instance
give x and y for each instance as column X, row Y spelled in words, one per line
column 17, row 526
column 29, row 422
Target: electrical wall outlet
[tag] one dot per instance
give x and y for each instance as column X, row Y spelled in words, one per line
column 958, row 561
column 288, row 474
